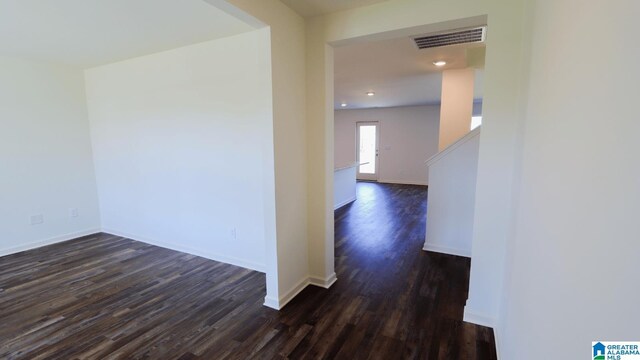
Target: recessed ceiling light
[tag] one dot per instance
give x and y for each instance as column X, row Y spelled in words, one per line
column 343, row 104
column 370, row 93
column 440, row 63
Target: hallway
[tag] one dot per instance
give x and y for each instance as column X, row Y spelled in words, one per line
column 412, row 300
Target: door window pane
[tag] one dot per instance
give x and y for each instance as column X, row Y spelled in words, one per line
column 367, row 149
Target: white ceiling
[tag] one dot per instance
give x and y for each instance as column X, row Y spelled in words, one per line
column 310, row 8
column 397, row 71
column 87, row 33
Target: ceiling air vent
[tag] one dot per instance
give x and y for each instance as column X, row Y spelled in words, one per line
column 456, row 37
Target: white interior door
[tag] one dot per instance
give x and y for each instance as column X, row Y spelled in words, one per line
column 367, row 134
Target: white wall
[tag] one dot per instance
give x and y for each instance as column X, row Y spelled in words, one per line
column 288, row 253
column 457, row 105
column 408, row 137
column 452, row 196
column 574, row 269
column 182, row 143
column 45, row 152
column 344, row 186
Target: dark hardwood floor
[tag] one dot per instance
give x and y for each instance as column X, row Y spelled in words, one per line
column 103, row 296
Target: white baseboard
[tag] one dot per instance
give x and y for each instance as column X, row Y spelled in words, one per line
column 185, row 249
column 477, row 318
column 271, row 302
column 48, row 241
column 278, row 304
column 388, row 181
column 497, row 336
column 339, row 205
column 447, row 250
column 323, row 283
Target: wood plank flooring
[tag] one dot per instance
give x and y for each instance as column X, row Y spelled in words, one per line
column 106, row 297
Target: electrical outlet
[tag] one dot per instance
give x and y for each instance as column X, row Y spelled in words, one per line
column 73, row 212
column 37, row 219
column 234, row 234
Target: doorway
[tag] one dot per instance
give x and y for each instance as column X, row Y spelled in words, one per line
column 367, row 140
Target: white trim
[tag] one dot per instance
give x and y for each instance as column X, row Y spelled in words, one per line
column 435, row 158
column 446, row 250
column 496, row 337
column 376, row 174
column 271, row 302
column 484, row 320
column 278, row 304
column 48, row 241
column 385, row 181
column 185, row 249
column 477, row 318
column 338, row 206
column 289, row 295
column 323, row 283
